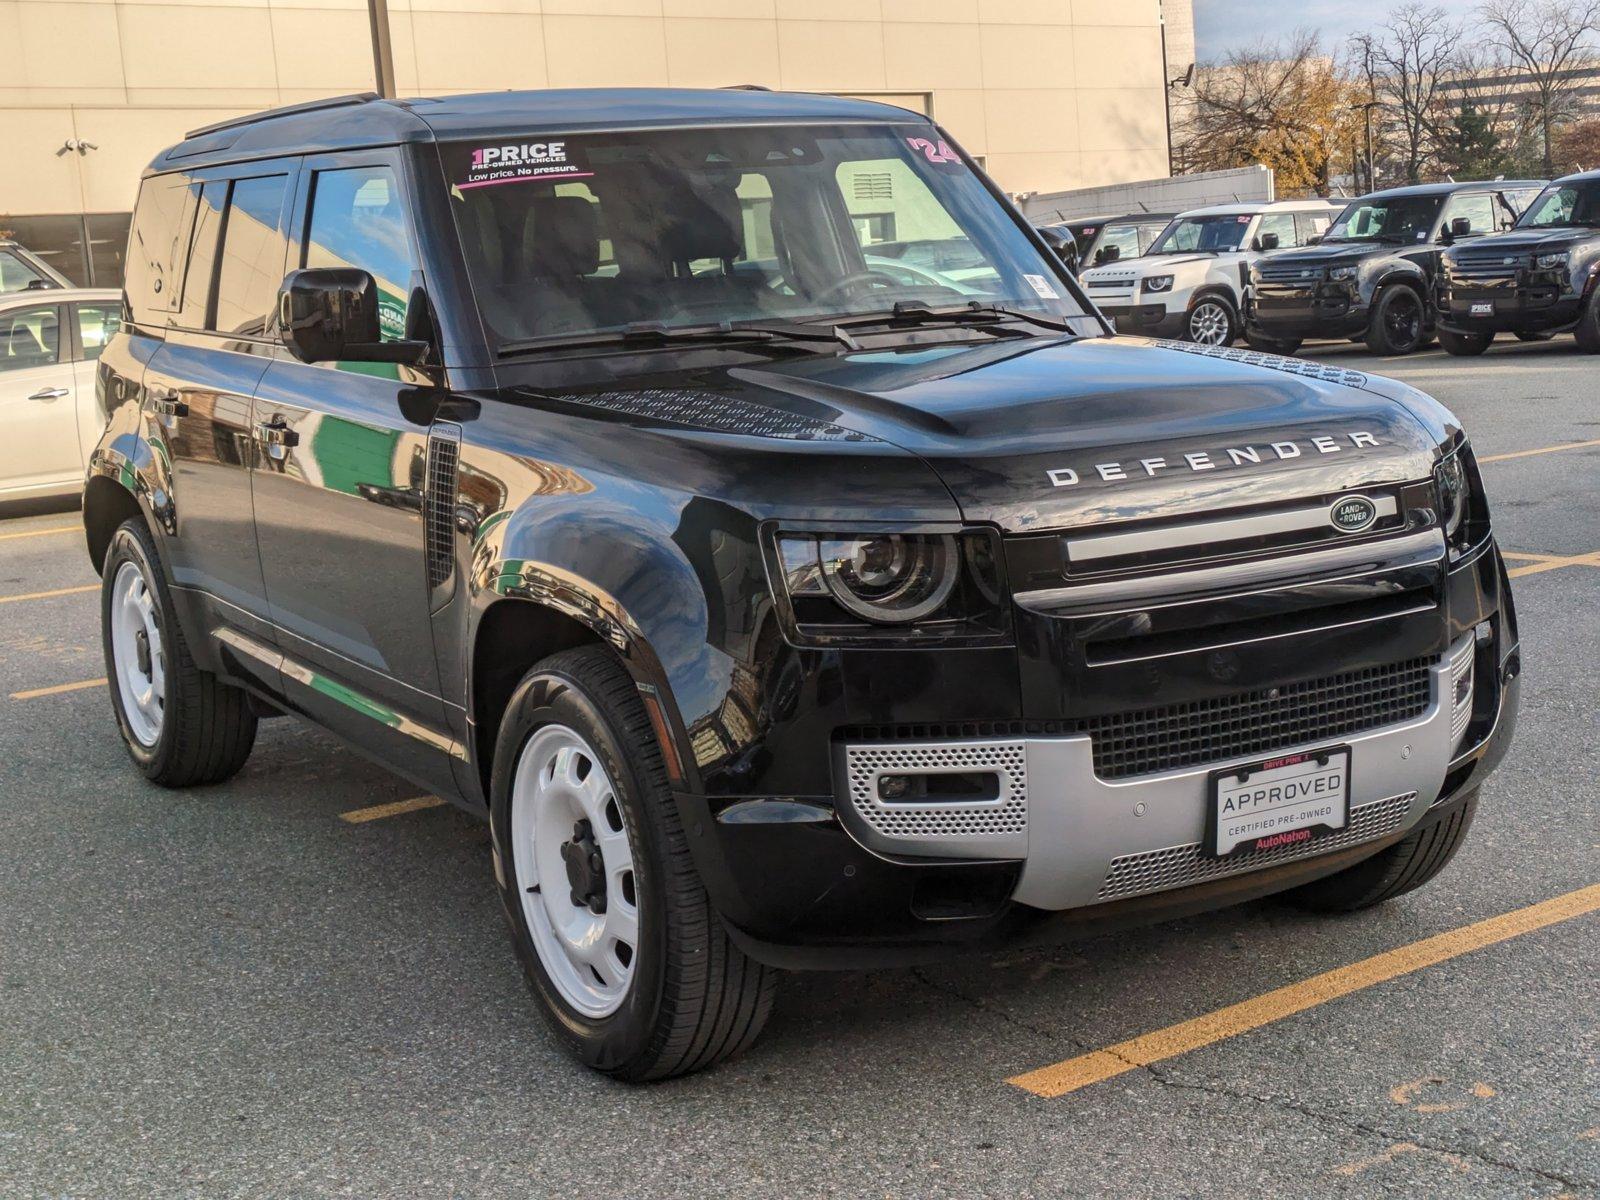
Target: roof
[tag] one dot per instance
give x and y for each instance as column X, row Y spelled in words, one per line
column 1580, row 177
column 1261, row 206
column 347, row 122
column 1450, row 189
column 58, row 295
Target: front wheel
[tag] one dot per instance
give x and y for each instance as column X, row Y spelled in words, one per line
column 182, row 725
column 1211, row 322
column 1397, row 322
column 617, row 938
column 1588, row 330
column 1464, row 345
column 1403, row 867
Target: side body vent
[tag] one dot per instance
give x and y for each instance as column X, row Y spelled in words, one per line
column 439, row 504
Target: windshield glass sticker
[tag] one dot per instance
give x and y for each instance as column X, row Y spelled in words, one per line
column 519, row 162
column 938, row 152
column 1041, row 285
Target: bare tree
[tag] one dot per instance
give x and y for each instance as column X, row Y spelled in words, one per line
column 1283, row 105
column 1550, row 41
column 1406, row 63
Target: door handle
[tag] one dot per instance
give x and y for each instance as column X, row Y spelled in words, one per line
column 49, row 394
column 276, row 434
column 169, row 406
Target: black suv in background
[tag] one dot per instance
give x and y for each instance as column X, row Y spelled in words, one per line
column 1535, row 281
column 1371, row 277
column 578, row 456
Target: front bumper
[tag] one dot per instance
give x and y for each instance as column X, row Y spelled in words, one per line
column 1540, row 309
column 1305, row 314
column 1145, row 320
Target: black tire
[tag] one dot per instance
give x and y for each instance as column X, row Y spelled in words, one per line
column 1399, row 320
column 694, row 998
column 1211, row 311
column 1464, row 345
column 207, row 727
column 1268, row 345
column 1402, row 868
column 1588, row 328
column 1533, row 335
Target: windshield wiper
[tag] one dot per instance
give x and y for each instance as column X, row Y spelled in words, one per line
column 908, row 312
column 656, row 333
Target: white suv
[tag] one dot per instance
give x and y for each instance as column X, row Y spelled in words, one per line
column 1190, row 283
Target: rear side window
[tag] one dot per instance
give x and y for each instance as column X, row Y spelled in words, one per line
column 253, row 249
column 197, row 275
column 358, row 220
column 29, row 337
column 161, row 223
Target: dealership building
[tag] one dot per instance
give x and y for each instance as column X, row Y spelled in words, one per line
column 1049, row 94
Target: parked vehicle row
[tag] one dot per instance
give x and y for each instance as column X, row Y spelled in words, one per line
column 778, row 602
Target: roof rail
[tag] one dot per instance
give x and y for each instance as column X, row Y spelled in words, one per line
column 744, row 87
column 287, row 110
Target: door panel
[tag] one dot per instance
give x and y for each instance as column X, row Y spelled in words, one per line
column 39, row 451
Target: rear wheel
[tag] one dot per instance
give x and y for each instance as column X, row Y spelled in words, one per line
column 1402, row 868
column 182, row 725
column 616, row 935
column 1211, row 322
column 1267, row 345
column 1464, row 345
column 1397, row 322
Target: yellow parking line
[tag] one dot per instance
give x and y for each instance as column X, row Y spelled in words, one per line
column 71, row 591
column 1550, row 562
column 35, row 693
column 1541, row 450
column 6, row 537
column 1075, row 1073
column 378, row 811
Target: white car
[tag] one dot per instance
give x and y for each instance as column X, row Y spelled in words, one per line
column 49, row 414
column 1190, row 284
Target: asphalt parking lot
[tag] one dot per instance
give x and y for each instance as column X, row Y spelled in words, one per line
column 298, row 984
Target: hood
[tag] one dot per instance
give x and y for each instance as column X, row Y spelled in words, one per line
column 1057, row 433
column 1525, row 242
column 1329, row 253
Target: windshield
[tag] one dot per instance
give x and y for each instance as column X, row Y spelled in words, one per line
column 1130, row 238
column 1403, row 219
column 1564, row 204
column 590, row 233
column 16, row 273
column 1220, row 233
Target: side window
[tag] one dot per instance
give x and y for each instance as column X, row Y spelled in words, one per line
column 1477, row 207
column 160, row 233
column 1281, row 224
column 199, row 271
column 29, row 337
column 358, row 220
column 1310, row 225
column 252, row 256
column 96, row 324
column 16, row 275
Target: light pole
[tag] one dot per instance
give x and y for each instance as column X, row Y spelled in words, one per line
column 382, row 52
column 1372, row 178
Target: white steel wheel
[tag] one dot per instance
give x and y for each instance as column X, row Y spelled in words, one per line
column 1210, row 323
column 136, row 652
column 573, row 865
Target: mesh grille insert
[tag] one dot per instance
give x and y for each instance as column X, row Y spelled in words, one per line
column 444, row 453
column 1179, row 866
column 1175, row 736
column 939, row 820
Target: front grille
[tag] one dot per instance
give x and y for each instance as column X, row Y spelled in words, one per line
column 1174, row 736
column 1179, row 866
column 1484, row 268
column 444, row 453
column 1288, row 272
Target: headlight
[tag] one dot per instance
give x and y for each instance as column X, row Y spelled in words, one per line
column 1451, row 479
column 1158, row 283
column 878, row 585
column 1346, row 272
column 1463, row 511
column 1547, row 262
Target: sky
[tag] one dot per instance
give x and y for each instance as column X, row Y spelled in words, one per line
column 1223, row 25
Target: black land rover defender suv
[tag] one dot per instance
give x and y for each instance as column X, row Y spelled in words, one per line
column 1372, row 276
column 568, row 453
column 1535, row 281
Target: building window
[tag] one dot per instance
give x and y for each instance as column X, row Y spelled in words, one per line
column 87, row 249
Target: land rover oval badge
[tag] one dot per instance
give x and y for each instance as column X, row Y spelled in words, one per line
column 1352, row 514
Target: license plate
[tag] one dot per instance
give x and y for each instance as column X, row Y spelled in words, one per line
column 1483, row 308
column 1279, row 802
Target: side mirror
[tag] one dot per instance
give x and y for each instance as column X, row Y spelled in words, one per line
column 1314, row 240
column 1269, row 241
column 1107, row 254
column 1459, row 227
column 331, row 315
